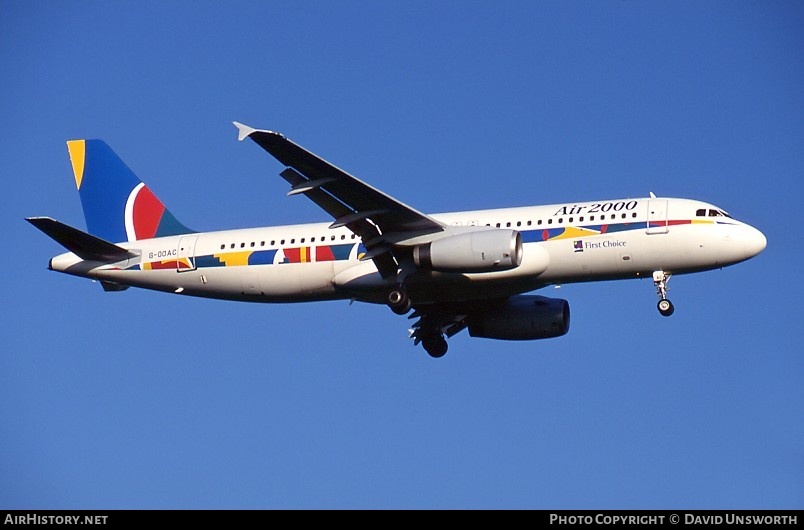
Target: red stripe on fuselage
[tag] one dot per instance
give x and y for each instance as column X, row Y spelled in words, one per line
column 324, row 254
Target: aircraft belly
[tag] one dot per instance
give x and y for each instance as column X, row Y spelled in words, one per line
column 289, row 282
column 289, row 279
column 159, row 280
column 361, row 276
column 316, row 277
column 282, row 282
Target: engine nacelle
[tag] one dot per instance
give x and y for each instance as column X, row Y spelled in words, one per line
column 523, row 317
column 479, row 251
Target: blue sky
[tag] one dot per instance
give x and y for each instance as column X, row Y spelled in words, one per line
column 146, row 400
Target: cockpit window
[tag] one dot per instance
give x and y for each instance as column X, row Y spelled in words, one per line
column 703, row 212
column 718, row 213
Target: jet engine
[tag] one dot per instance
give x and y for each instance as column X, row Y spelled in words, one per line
column 479, row 251
column 522, row 317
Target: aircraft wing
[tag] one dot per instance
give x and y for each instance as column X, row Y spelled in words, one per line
column 366, row 211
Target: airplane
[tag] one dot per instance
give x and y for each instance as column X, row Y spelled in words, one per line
column 448, row 271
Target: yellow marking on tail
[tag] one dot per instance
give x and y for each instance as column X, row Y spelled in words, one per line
column 78, row 150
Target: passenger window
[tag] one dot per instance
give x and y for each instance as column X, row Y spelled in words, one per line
column 282, row 242
column 343, row 237
column 223, row 247
column 549, row 221
column 242, row 245
column 570, row 220
column 273, row 242
column 292, row 241
column 539, row 222
column 519, row 223
column 233, row 245
column 580, row 219
column 528, row 223
column 302, row 240
column 498, row 225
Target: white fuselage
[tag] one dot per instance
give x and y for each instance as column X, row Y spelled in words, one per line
column 562, row 243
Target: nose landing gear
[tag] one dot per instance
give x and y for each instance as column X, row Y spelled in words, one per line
column 665, row 306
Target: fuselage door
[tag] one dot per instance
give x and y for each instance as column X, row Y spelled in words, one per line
column 185, row 253
column 657, row 216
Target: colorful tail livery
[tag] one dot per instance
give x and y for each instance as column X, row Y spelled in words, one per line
column 117, row 205
column 451, row 271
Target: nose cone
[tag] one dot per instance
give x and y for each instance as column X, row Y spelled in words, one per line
column 754, row 242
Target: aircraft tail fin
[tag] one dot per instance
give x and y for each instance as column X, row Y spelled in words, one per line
column 83, row 245
column 117, row 205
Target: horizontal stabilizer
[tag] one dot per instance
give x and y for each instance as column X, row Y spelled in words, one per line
column 83, row 245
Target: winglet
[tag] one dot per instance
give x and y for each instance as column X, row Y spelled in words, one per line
column 243, row 131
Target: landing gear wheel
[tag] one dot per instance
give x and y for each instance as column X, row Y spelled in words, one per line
column 435, row 345
column 398, row 300
column 660, row 279
column 665, row 307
